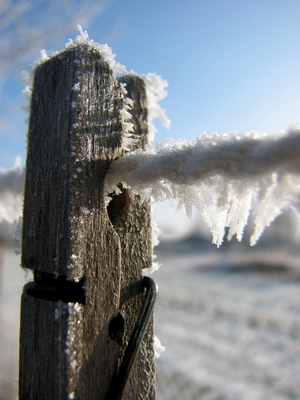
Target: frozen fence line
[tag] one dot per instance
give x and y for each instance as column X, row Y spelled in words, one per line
column 224, row 176
column 11, row 192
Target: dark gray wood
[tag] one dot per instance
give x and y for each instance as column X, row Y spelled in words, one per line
column 87, row 262
column 74, row 132
column 43, row 359
column 132, row 221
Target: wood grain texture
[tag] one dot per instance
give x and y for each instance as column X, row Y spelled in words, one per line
column 132, row 221
column 74, row 132
column 87, row 262
column 44, row 346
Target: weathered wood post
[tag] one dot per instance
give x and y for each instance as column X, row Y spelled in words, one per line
column 87, row 259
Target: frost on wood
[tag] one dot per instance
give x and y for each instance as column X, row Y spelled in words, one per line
column 104, row 49
column 226, row 177
column 11, row 200
column 81, row 39
column 155, row 89
column 155, row 265
column 158, row 347
column 129, row 140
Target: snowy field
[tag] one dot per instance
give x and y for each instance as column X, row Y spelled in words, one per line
column 230, row 325
column 12, row 280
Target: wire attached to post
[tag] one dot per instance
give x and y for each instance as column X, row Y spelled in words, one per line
column 118, row 387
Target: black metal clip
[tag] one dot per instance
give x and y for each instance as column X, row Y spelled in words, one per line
column 118, row 387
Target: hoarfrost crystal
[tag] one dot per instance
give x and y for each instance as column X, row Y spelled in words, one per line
column 225, row 177
column 155, row 90
column 104, row 49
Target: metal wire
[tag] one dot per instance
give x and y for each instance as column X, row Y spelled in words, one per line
column 119, row 384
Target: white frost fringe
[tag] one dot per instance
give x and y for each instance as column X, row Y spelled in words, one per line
column 155, row 92
column 224, row 176
column 104, row 49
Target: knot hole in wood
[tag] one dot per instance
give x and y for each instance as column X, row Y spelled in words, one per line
column 118, row 207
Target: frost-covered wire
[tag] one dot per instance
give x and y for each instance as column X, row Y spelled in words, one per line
column 11, row 192
column 226, row 177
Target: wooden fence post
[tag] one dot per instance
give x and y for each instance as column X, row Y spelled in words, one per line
column 86, row 260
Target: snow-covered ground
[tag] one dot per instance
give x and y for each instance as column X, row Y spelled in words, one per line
column 12, row 280
column 230, row 325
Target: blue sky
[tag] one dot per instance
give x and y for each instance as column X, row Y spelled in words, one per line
column 231, row 65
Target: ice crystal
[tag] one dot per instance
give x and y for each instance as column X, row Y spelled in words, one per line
column 225, row 177
column 104, row 49
column 155, row 91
